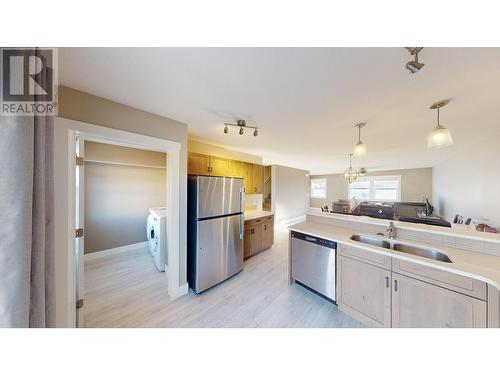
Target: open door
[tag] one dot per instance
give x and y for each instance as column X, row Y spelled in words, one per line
column 79, row 230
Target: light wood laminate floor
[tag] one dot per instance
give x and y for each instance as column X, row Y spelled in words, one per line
column 126, row 290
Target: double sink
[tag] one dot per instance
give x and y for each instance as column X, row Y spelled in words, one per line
column 404, row 248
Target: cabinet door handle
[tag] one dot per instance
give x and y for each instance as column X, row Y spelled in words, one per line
column 387, row 282
column 395, row 285
column 265, row 227
column 252, row 231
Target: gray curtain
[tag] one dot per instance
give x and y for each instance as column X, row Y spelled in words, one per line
column 27, row 296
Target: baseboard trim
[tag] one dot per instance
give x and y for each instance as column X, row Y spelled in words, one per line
column 115, row 250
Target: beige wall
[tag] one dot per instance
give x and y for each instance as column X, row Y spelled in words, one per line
column 208, row 149
column 80, row 106
column 118, row 197
column 290, row 193
column 415, row 184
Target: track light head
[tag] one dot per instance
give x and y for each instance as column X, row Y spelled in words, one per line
column 414, row 66
column 255, row 133
column 226, row 129
column 241, row 130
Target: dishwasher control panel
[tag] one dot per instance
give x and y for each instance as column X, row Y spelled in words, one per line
column 314, row 239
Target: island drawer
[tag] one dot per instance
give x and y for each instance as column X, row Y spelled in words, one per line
column 379, row 260
column 445, row 279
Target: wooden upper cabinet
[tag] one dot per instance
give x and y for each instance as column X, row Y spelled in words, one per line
column 198, row 164
column 219, row 166
column 235, row 168
column 257, row 179
column 248, row 177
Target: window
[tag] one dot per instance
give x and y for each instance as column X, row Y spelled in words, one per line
column 376, row 188
column 318, row 188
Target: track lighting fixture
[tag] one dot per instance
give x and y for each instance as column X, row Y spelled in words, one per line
column 439, row 136
column 414, row 66
column 242, row 125
column 360, row 147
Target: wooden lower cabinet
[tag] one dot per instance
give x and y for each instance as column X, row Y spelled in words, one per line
column 378, row 297
column 364, row 292
column 258, row 236
column 418, row 304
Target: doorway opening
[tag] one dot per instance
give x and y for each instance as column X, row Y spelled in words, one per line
column 122, row 207
column 173, row 279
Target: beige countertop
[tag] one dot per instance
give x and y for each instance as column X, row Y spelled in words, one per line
column 455, row 231
column 479, row 266
column 255, row 214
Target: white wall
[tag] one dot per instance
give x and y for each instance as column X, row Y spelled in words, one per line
column 468, row 183
column 290, row 193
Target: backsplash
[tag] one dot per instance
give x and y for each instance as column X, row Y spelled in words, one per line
column 450, row 240
column 253, row 202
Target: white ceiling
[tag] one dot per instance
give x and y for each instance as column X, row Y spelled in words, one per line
column 305, row 100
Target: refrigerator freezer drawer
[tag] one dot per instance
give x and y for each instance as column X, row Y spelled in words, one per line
column 219, row 251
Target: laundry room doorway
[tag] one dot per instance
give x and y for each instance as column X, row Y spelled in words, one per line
column 82, row 137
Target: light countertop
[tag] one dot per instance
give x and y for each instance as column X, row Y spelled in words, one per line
column 255, row 214
column 455, row 231
column 479, row 266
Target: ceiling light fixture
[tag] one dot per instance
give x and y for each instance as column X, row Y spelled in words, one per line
column 350, row 173
column 360, row 147
column 242, row 125
column 414, row 66
column 440, row 136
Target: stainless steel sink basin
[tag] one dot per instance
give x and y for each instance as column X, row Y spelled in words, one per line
column 371, row 241
column 404, row 248
column 422, row 252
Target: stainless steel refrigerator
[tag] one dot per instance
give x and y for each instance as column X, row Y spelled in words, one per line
column 215, row 230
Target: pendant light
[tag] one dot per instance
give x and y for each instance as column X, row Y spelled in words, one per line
column 360, row 147
column 350, row 173
column 440, row 136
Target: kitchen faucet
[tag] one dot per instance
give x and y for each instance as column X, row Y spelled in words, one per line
column 391, row 231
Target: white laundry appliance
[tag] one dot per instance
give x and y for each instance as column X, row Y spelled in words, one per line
column 156, row 231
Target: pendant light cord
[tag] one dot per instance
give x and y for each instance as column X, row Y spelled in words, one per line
column 438, row 116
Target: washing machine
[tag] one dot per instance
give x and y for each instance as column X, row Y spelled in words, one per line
column 156, row 232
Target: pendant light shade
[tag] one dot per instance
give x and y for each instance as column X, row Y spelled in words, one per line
column 439, row 136
column 360, row 147
column 350, row 173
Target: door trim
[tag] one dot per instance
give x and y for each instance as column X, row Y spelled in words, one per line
column 65, row 132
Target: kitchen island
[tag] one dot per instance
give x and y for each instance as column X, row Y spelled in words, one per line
column 385, row 287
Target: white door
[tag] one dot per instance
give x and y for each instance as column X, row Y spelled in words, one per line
column 79, row 220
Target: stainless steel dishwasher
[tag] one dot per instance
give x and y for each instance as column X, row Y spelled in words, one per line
column 314, row 263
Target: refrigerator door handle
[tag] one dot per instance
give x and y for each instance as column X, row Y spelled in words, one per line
column 241, row 200
column 242, row 225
